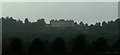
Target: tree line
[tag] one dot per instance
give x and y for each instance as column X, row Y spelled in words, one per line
column 59, row 46
column 37, row 38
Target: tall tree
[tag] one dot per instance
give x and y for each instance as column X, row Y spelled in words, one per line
column 26, row 21
column 116, row 46
column 16, row 46
column 58, row 45
column 36, row 46
column 79, row 44
column 100, row 45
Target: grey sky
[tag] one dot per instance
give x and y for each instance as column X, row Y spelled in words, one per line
column 60, row 0
column 88, row 12
column 0, row 9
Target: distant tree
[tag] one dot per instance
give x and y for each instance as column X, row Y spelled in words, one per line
column 91, row 25
column 100, row 45
column 2, row 18
column 19, row 21
column 7, row 17
column 16, row 46
column 104, row 23
column 81, row 24
column 75, row 24
column 11, row 17
column 58, row 45
column 116, row 46
column 26, row 21
column 98, row 24
column 79, row 44
column 86, row 24
column 41, row 21
column 118, row 24
column 36, row 46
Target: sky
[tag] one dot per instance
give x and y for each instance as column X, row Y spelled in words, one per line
column 87, row 12
column 59, row 0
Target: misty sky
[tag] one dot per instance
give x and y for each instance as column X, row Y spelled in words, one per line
column 88, row 12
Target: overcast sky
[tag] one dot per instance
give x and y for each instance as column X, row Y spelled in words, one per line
column 88, row 12
column 60, row 0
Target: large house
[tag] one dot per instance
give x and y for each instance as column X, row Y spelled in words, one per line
column 62, row 23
